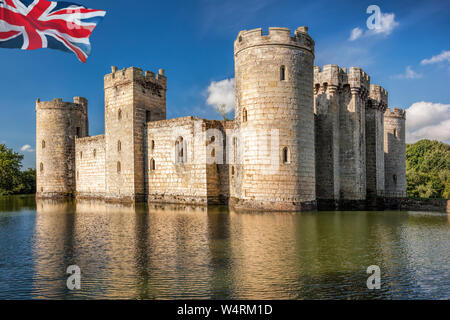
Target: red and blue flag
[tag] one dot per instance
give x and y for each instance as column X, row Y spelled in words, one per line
column 34, row 24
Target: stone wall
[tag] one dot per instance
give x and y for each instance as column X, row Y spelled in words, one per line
column 375, row 109
column 409, row 204
column 352, row 135
column 176, row 175
column 326, row 108
column 196, row 171
column 90, row 160
column 395, row 153
column 57, row 125
column 149, row 105
column 132, row 98
column 217, row 169
column 274, row 112
column 340, row 101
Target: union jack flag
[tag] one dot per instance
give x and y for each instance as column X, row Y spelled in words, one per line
column 34, row 24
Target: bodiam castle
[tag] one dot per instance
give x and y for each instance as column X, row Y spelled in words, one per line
column 303, row 137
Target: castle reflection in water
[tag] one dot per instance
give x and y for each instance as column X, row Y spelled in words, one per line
column 172, row 251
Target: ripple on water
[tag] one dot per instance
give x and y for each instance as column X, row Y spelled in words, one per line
column 173, row 252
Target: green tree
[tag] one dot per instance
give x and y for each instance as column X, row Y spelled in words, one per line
column 428, row 169
column 12, row 180
column 28, row 181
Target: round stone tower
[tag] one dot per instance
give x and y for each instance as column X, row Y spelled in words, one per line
column 395, row 153
column 58, row 124
column 275, row 120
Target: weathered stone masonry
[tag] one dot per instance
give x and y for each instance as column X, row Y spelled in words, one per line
column 350, row 142
column 302, row 136
column 58, row 123
column 90, row 159
column 395, row 153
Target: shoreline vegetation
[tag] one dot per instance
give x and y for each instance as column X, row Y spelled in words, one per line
column 14, row 181
column 427, row 171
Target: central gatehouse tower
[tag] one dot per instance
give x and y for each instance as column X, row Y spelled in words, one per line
column 275, row 119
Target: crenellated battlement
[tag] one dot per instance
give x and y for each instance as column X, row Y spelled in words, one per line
column 275, row 36
column 395, row 113
column 90, row 138
column 378, row 97
column 357, row 78
column 133, row 74
column 332, row 76
column 78, row 104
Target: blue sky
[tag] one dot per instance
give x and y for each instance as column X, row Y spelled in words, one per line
column 193, row 42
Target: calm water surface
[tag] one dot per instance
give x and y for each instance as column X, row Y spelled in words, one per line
column 171, row 252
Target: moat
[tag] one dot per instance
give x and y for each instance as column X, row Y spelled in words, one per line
column 173, row 252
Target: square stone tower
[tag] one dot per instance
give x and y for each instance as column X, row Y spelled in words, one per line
column 327, row 93
column 375, row 108
column 132, row 98
column 352, row 135
column 340, row 100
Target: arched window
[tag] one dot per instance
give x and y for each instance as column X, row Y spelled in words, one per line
column 119, row 146
column 244, row 115
column 286, row 155
column 119, row 167
column 232, row 170
column 41, row 167
column 179, row 150
column 95, row 153
column 81, row 154
column 43, row 144
column 152, row 164
column 119, row 114
column 153, row 144
column 283, row 73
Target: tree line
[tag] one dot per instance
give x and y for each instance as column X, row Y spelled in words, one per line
column 12, row 179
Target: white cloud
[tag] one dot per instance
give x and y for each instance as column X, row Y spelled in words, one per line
column 386, row 26
column 427, row 120
column 443, row 56
column 27, row 148
column 356, row 33
column 409, row 74
column 221, row 93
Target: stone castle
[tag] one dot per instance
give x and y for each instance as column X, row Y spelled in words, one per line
column 303, row 137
